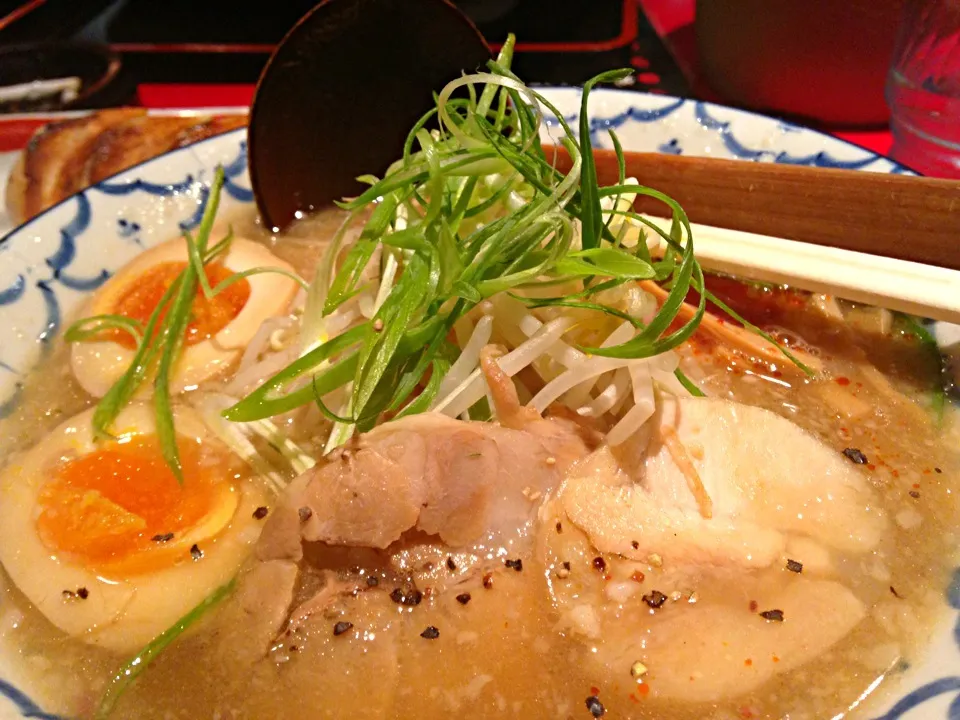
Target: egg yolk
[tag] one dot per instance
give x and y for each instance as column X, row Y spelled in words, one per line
column 208, row 315
column 121, row 507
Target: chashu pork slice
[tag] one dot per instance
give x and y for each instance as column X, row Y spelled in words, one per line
column 52, row 166
column 66, row 157
column 141, row 138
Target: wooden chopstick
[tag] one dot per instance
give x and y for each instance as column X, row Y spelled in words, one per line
column 896, row 216
column 915, row 288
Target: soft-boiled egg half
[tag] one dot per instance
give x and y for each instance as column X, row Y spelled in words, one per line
column 107, row 544
column 220, row 327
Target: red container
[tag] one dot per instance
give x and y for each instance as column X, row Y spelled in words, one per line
column 824, row 60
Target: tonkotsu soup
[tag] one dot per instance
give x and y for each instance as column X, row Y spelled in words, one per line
column 481, row 444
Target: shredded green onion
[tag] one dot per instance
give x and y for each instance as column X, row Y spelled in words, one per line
column 688, row 384
column 174, row 328
column 131, row 670
column 938, row 396
column 469, row 211
column 91, row 327
column 160, row 342
column 762, row 333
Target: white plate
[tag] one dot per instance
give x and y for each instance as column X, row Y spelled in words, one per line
column 49, row 264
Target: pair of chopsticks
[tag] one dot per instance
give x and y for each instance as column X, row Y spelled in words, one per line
column 909, row 287
column 887, row 240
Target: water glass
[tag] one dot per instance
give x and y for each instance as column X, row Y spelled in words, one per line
column 923, row 88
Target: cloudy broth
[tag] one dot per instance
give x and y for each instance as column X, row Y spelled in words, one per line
column 507, row 650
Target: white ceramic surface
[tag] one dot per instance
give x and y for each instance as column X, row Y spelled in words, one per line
column 49, row 264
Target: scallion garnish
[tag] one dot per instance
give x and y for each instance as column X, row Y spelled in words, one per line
column 128, row 673
column 928, row 343
column 471, row 211
column 160, row 341
column 173, row 331
column 94, row 326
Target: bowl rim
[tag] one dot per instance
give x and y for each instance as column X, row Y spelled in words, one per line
column 597, row 92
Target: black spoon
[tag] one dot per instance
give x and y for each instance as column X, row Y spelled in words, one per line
column 340, row 93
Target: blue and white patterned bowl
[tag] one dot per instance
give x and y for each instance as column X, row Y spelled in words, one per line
column 48, row 265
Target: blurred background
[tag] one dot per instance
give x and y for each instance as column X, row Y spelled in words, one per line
column 819, row 62
column 224, row 42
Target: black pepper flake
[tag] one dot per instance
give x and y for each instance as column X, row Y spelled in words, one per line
column 195, row 552
column 656, row 599
column 514, row 564
column 81, row 593
column 772, row 615
column 635, row 545
column 600, row 564
column 856, row 456
column 566, row 564
column 893, row 590
column 463, row 598
column 450, row 563
column 794, row 566
column 162, row 538
column 341, row 627
column 559, row 528
column 373, row 581
column 595, row 706
column 937, row 470
column 409, row 599
column 305, row 514
column 260, row 513
column 488, row 580
column 431, row 633
column 914, row 494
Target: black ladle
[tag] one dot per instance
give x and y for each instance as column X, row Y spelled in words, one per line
column 342, row 90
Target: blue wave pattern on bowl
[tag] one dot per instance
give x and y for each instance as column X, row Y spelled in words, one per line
column 941, row 686
column 703, row 114
column 26, row 707
column 59, row 262
column 644, row 122
column 58, row 266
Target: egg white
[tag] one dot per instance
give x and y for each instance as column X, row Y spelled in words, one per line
column 98, row 365
column 119, row 613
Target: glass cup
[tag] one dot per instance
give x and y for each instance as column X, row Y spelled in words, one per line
column 923, row 88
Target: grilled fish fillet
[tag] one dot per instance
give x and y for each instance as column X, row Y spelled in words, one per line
column 65, row 157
